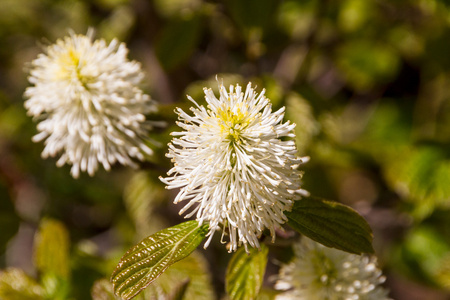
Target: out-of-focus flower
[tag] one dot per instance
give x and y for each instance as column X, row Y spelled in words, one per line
column 88, row 103
column 234, row 165
column 318, row 272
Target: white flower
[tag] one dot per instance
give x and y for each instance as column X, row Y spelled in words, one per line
column 90, row 108
column 321, row 273
column 234, row 165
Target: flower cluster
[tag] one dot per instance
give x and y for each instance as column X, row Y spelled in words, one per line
column 236, row 165
column 319, row 272
column 89, row 105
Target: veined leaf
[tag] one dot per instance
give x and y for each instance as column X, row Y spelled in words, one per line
column 331, row 224
column 245, row 273
column 144, row 262
column 194, row 269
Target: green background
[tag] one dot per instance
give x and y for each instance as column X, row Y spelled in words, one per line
column 367, row 83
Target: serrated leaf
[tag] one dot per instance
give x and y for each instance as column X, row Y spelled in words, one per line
column 16, row 285
column 51, row 244
column 331, row 224
column 245, row 273
column 144, row 262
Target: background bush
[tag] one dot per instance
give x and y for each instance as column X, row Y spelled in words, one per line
column 366, row 82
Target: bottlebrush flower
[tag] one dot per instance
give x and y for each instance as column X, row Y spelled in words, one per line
column 319, row 272
column 88, row 103
column 234, row 165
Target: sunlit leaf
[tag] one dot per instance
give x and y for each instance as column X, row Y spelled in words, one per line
column 193, row 268
column 144, row 262
column 245, row 273
column 52, row 249
column 331, row 224
column 16, row 285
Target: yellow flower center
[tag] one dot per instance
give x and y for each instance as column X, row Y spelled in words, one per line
column 70, row 66
column 233, row 121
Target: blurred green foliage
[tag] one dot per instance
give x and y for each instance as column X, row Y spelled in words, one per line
column 245, row 273
column 367, row 83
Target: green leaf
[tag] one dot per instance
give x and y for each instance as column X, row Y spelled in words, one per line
column 55, row 287
column 331, row 224
column 193, row 268
column 180, row 291
column 245, row 273
column 420, row 175
column 16, row 285
column 267, row 294
column 144, row 262
column 51, row 244
column 419, row 262
column 103, row 290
